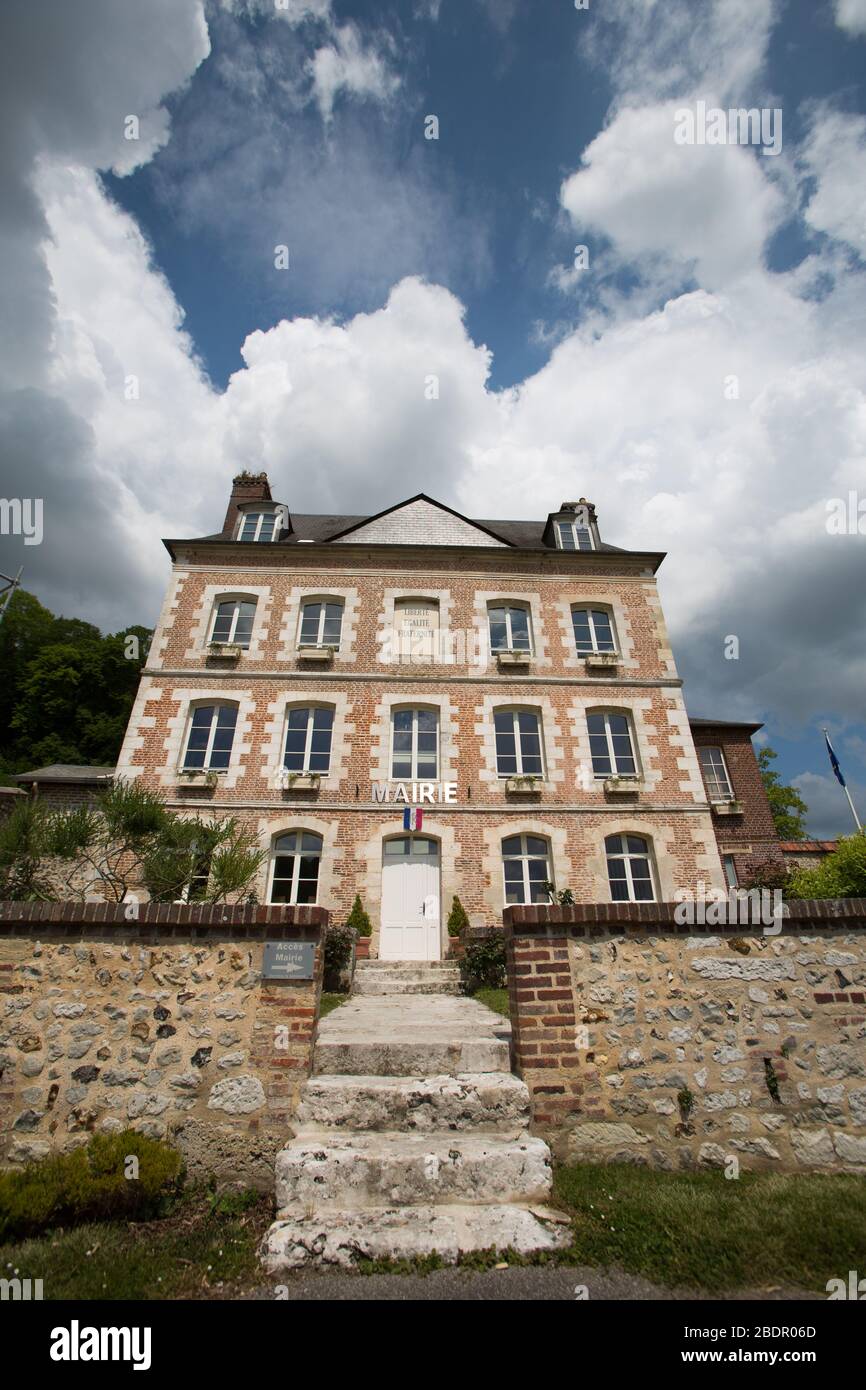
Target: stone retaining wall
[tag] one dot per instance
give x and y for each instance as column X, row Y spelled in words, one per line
column 162, row 1024
column 679, row 1046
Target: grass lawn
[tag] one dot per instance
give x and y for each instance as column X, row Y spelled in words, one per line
column 704, row 1231
column 330, row 1002
column 206, row 1248
column 495, row 999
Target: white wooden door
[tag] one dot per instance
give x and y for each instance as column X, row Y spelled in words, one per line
column 410, row 927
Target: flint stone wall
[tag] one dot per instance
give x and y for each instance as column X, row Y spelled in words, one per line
column 162, row 1025
column 680, row 1047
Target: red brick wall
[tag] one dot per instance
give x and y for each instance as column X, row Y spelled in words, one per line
column 752, row 837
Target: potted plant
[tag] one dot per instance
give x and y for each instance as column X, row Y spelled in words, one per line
column 359, row 921
column 458, row 923
column 527, row 784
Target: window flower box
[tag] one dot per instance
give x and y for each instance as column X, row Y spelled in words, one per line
column 523, row 786
column 622, row 784
column 298, row 781
column 727, row 808
column 206, row 777
column 512, row 658
column 316, row 653
column 601, row 661
column 226, row 651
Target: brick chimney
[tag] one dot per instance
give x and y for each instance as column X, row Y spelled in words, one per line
column 246, row 487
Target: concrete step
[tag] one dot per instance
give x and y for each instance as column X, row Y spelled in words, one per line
column 408, row 969
column 406, row 1035
column 421, row 1056
column 367, row 984
column 323, row 1168
column 487, row 1101
column 341, row 1238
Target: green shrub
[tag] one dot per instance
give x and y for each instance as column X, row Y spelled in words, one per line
column 483, row 963
column 841, row 875
column 89, row 1184
column 339, row 941
column 358, row 919
column 457, row 919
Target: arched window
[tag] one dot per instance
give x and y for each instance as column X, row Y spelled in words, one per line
column 611, row 744
column 233, row 621
column 526, row 868
column 321, row 623
column 415, row 744
column 210, row 737
column 593, row 630
column 510, row 627
column 518, row 743
column 629, row 869
column 261, row 524
column 297, row 856
column 308, row 738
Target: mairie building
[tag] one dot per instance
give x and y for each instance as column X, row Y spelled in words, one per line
column 418, row 705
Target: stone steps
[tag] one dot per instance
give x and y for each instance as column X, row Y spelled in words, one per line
column 350, row 1171
column 369, row 985
column 413, row 1139
column 341, row 1238
column 490, row 1102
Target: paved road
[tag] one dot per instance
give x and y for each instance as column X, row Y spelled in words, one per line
column 534, row 1283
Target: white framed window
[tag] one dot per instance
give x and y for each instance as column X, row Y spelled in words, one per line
column 574, row 535
column 295, row 871
column 518, row 743
column 309, row 731
column 233, row 621
column 526, row 868
column 611, row 743
column 261, row 525
column 730, row 869
column 593, row 630
column 321, row 623
column 629, row 869
column 209, row 737
column 415, row 745
column 510, row 627
column 715, row 772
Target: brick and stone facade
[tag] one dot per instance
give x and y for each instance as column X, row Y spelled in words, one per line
column 456, row 569
column 162, row 1024
column 644, row 1041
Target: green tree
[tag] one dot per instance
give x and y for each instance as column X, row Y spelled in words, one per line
column 786, row 804
column 66, row 691
column 127, row 839
column 839, row 875
column 457, row 918
column 359, row 919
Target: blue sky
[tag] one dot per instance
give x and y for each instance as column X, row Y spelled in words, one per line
column 303, row 123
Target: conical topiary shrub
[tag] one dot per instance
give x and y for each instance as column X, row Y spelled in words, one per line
column 359, row 919
column 457, row 919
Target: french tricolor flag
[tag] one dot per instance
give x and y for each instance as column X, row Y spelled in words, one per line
column 412, row 818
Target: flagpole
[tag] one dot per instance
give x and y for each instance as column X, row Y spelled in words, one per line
column 846, row 791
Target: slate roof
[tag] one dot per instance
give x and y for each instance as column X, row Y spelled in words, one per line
column 67, row 772
column 725, row 724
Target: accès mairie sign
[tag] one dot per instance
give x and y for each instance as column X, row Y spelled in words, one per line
column 288, row 960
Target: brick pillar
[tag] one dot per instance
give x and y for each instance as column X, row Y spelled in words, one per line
column 543, row 1022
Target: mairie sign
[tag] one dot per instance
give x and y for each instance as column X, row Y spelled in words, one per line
column 415, row 793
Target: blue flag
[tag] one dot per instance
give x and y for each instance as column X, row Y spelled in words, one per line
column 834, row 761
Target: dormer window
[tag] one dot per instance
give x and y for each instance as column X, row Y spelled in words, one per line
column 573, row 536
column 261, row 524
column 574, row 526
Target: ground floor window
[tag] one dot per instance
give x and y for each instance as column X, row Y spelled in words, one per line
column 526, row 867
column 629, row 869
column 730, row 870
column 297, row 856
